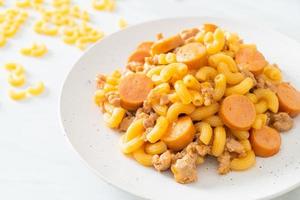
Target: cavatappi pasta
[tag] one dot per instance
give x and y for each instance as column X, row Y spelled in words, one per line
column 201, row 92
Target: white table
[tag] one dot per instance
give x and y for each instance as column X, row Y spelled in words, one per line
column 36, row 162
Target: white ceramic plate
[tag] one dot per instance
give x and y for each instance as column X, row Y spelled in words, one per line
column 98, row 145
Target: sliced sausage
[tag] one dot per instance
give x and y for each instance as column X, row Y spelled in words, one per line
column 134, row 89
column 166, row 44
column 209, row 27
column 180, row 134
column 145, row 46
column 251, row 59
column 237, row 112
column 188, row 33
column 192, row 54
column 289, row 99
column 138, row 55
column 265, row 141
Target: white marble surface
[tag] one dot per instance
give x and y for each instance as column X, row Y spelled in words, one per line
column 35, row 160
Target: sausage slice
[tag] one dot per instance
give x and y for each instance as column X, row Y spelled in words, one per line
column 192, row 54
column 166, row 44
column 251, row 59
column 134, row 89
column 265, row 141
column 180, row 134
column 289, row 99
column 237, row 112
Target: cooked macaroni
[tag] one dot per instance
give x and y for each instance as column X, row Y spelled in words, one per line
column 200, row 92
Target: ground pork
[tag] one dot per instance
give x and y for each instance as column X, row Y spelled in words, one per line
column 144, row 112
column 190, row 40
column 126, row 123
column 164, row 100
column 233, row 145
column 207, row 93
column 153, row 61
column 147, row 107
column 140, row 113
column 178, row 155
column 189, row 33
column 184, row 169
column 100, row 81
column 113, row 98
column 224, row 163
column 281, row 121
column 247, row 73
column 150, row 121
column 203, row 150
column 263, row 83
column 135, row 66
column 162, row 162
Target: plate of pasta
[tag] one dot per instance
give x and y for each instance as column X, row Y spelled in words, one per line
column 192, row 108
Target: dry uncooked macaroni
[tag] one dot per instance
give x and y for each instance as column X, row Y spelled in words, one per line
column 11, row 20
column 197, row 93
column 104, row 5
column 36, row 50
column 17, row 78
column 122, row 23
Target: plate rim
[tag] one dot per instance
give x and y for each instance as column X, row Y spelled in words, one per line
column 101, row 176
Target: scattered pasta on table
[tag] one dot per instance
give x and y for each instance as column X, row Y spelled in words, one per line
column 10, row 22
column 35, row 50
column 17, row 78
column 122, row 23
column 201, row 92
column 104, row 5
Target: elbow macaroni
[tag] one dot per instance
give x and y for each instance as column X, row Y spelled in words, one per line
column 122, row 23
column 197, row 98
column 238, row 164
column 142, row 157
column 182, row 92
column 241, row 88
column 191, row 82
column 115, row 118
column 16, row 80
column 158, row 130
column 219, row 141
column 206, row 132
column 219, row 58
column 213, row 121
column 272, row 73
column 173, row 69
column 133, row 139
column 35, row 50
column 270, row 97
column 102, row 5
column 156, row 148
column 206, row 73
column 220, row 87
column 36, row 90
column 17, row 95
column 179, row 108
column 214, row 42
column 231, row 77
column 241, row 135
column 261, row 106
column 260, row 121
column 204, row 112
